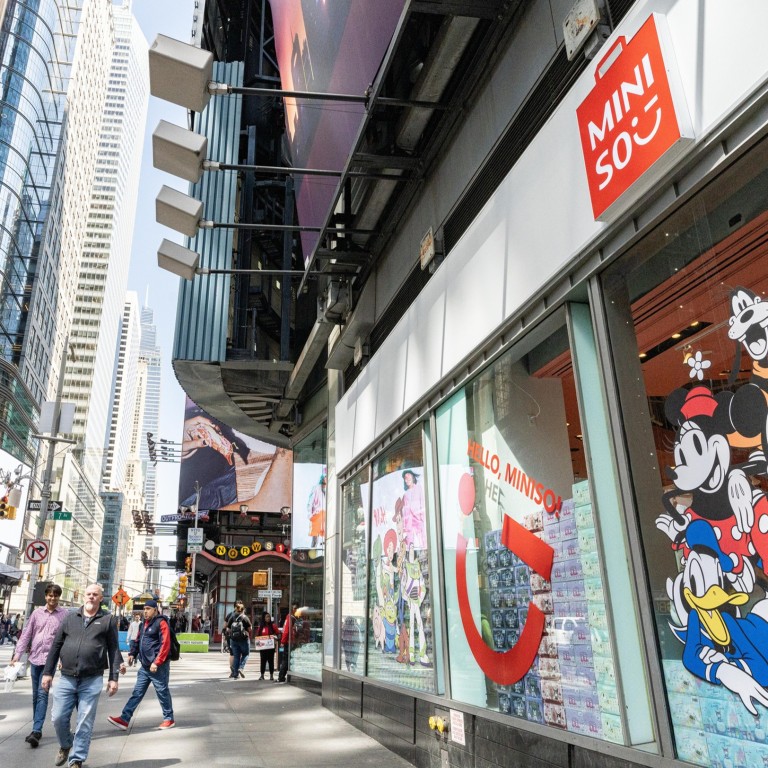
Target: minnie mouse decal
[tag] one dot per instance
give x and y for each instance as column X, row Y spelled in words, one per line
column 722, row 529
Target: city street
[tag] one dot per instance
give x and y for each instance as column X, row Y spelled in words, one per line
column 220, row 722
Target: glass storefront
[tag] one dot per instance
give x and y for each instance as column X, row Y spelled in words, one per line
column 688, row 325
column 528, row 630
column 310, row 474
column 354, row 573
column 401, row 638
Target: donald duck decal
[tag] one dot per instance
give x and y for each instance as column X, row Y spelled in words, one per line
column 720, row 610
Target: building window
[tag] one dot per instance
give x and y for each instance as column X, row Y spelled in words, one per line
column 528, row 629
column 688, row 323
column 354, row 530
column 401, row 646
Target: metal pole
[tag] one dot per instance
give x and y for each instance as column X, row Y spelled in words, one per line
column 45, row 494
column 194, row 559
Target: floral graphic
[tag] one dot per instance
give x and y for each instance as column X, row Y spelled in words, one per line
column 698, row 366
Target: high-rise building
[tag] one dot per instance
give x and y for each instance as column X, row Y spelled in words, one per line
column 123, row 402
column 107, row 238
column 37, row 46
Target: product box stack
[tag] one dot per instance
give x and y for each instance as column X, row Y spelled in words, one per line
column 570, row 624
column 605, row 678
column 509, row 582
column 712, row 727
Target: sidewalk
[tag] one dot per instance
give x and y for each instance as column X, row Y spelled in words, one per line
column 220, row 722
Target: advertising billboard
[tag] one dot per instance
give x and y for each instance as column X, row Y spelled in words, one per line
column 308, row 521
column 231, row 468
column 327, row 47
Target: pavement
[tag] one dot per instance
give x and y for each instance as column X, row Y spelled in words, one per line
column 219, row 722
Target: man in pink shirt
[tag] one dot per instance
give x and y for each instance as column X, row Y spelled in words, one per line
column 37, row 638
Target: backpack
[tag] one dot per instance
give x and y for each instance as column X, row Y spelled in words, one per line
column 237, row 629
column 175, row 652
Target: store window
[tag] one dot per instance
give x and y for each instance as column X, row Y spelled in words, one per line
column 401, row 645
column 528, row 628
column 310, row 473
column 688, row 324
column 355, row 498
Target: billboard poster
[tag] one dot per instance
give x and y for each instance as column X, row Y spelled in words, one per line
column 308, row 520
column 327, row 47
column 230, row 467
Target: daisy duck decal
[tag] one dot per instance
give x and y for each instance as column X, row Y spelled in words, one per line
column 721, row 530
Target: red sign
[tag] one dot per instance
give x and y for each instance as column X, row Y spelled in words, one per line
column 633, row 116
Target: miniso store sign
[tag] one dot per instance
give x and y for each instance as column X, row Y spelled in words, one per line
column 634, row 122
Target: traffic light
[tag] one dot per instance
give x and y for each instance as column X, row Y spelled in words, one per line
column 188, row 565
column 183, row 585
column 10, row 513
column 4, row 509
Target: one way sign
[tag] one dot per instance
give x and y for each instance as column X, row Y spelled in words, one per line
column 35, row 505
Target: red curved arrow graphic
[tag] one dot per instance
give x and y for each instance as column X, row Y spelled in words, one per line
column 506, row 667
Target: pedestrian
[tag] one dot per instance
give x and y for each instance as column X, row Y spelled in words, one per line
column 152, row 650
column 288, row 640
column 196, row 624
column 37, row 639
column 133, row 632
column 267, row 628
column 85, row 643
column 239, row 635
column 207, row 626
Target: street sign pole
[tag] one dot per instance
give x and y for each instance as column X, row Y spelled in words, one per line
column 45, row 493
column 190, row 602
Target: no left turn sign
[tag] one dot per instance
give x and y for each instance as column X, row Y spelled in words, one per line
column 37, row 551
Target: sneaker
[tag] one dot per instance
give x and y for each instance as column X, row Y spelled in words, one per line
column 166, row 724
column 261, row 677
column 62, row 755
column 271, row 677
column 118, row 722
column 76, row 764
column 242, row 674
column 34, row 738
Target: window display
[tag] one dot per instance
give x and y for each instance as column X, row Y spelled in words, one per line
column 400, row 643
column 354, row 573
column 693, row 298
column 307, row 545
column 528, row 631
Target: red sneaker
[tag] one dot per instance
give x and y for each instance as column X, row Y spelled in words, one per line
column 118, row 722
column 166, row 724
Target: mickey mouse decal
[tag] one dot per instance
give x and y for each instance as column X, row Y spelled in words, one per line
column 722, row 530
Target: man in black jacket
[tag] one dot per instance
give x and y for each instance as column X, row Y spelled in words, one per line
column 86, row 643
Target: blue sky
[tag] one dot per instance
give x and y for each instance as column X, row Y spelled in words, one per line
column 172, row 18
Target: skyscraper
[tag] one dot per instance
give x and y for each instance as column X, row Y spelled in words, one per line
column 37, row 46
column 103, row 272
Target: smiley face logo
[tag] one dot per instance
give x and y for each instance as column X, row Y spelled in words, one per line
column 503, row 667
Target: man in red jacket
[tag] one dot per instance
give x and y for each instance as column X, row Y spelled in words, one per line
column 152, row 648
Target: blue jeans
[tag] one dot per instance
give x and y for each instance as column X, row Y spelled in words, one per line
column 83, row 693
column 160, row 680
column 240, row 650
column 39, row 698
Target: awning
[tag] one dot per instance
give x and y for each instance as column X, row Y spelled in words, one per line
column 10, row 576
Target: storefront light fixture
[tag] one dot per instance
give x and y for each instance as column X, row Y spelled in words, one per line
column 183, row 213
column 184, row 153
column 183, row 74
column 186, row 263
